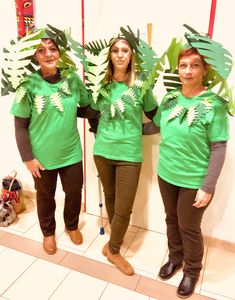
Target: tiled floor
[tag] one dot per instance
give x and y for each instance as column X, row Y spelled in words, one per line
column 81, row 272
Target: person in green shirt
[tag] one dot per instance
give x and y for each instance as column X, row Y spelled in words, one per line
column 194, row 131
column 118, row 143
column 45, row 108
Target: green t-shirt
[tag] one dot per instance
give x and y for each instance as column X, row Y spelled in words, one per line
column 121, row 138
column 187, row 126
column 52, row 109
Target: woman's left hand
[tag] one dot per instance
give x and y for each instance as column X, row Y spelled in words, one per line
column 202, row 199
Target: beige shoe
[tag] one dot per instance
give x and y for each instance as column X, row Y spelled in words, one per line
column 49, row 244
column 120, row 262
column 105, row 249
column 75, row 236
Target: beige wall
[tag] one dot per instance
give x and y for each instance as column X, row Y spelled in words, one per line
column 102, row 20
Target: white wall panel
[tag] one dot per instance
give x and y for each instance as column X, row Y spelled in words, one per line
column 102, row 20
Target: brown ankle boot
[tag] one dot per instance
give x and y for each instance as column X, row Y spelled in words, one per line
column 49, row 244
column 105, row 249
column 120, row 262
column 75, row 236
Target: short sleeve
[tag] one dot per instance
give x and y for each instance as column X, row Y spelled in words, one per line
column 157, row 117
column 85, row 98
column 21, row 109
column 218, row 130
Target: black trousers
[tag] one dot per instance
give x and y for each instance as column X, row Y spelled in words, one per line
column 185, row 241
column 119, row 180
column 72, row 182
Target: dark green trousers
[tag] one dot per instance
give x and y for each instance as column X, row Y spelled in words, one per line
column 119, row 180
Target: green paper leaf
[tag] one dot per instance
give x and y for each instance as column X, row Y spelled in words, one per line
column 131, row 37
column 173, row 53
column 56, row 101
column 39, row 103
column 95, row 47
column 148, row 57
column 171, row 80
column 215, row 54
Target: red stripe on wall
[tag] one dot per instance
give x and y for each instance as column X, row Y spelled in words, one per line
column 84, row 121
column 212, row 18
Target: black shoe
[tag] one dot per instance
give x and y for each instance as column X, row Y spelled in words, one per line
column 168, row 270
column 186, row 287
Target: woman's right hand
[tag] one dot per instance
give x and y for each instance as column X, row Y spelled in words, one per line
column 34, row 167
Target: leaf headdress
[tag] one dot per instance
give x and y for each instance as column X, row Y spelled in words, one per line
column 18, row 56
column 214, row 54
column 97, row 57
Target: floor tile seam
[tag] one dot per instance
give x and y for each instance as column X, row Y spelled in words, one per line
column 60, row 263
column 20, row 275
column 67, row 274
column 217, row 294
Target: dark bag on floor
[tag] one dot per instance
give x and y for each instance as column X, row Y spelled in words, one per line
column 12, row 191
column 7, row 213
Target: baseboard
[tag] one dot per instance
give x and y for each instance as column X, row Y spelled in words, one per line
column 209, row 241
column 217, row 243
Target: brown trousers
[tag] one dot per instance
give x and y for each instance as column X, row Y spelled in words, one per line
column 185, row 241
column 72, row 182
column 119, row 180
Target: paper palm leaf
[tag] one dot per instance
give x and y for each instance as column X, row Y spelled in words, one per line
column 170, row 103
column 227, row 94
column 39, row 103
column 103, row 92
column 219, row 58
column 95, row 91
column 131, row 37
column 231, row 104
column 148, row 56
column 192, row 113
column 16, row 59
column 20, row 93
column 57, row 35
column 129, row 97
column 112, row 110
column 170, row 77
column 96, row 71
column 95, row 79
column 6, row 85
column 119, row 103
column 77, row 50
column 152, row 78
column 177, row 110
column 65, row 88
column 95, row 47
column 172, row 53
column 99, row 61
column 56, row 101
column 138, row 83
column 171, row 80
column 66, row 60
column 119, row 108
